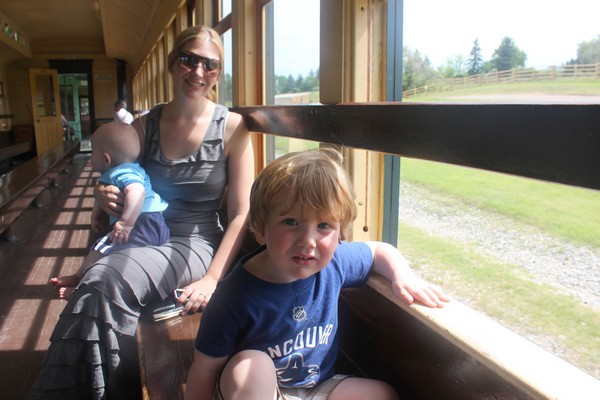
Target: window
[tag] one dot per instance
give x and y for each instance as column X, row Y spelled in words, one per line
column 518, row 250
column 294, row 62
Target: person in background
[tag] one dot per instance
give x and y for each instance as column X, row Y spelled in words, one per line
column 68, row 131
column 199, row 156
column 115, row 149
column 121, row 113
column 269, row 331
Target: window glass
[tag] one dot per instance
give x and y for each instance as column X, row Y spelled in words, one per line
column 523, row 252
column 225, row 83
column 295, row 59
column 226, row 7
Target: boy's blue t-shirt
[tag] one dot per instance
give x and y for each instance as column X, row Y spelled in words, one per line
column 295, row 323
column 128, row 173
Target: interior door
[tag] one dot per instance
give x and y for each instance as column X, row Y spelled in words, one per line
column 45, row 106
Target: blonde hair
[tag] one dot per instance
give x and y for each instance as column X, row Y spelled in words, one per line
column 119, row 140
column 314, row 178
column 201, row 33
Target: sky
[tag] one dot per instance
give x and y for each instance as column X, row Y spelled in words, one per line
column 548, row 31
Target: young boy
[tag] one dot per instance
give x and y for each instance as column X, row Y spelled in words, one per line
column 269, row 331
column 115, row 147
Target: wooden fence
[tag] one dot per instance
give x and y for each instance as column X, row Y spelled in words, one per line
column 583, row 71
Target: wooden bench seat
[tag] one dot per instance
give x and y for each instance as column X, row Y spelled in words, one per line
column 13, row 150
column 424, row 353
column 166, row 352
column 20, row 187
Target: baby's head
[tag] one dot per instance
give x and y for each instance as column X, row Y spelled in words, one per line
column 314, row 179
column 114, row 143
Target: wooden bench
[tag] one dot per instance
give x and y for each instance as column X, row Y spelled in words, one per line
column 166, row 348
column 166, row 351
column 424, row 353
column 13, row 150
column 20, row 187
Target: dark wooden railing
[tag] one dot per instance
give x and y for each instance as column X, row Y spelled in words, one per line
column 556, row 143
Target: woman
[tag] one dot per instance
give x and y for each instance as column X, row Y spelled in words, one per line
column 197, row 155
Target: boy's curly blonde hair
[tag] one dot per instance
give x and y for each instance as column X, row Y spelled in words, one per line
column 314, row 178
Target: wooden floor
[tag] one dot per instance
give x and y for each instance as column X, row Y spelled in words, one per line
column 53, row 241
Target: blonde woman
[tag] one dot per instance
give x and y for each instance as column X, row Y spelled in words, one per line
column 198, row 155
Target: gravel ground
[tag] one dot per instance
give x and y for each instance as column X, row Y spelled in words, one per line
column 571, row 269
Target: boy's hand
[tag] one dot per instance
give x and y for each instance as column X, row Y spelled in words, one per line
column 389, row 262
column 415, row 289
column 120, row 232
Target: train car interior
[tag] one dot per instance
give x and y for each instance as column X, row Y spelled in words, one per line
column 63, row 65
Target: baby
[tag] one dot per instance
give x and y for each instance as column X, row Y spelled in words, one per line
column 115, row 148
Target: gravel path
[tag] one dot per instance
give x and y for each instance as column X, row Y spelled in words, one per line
column 571, row 269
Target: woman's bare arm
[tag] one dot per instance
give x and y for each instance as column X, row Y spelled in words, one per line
column 240, row 172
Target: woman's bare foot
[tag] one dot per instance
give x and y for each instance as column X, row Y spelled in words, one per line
column 65, row 285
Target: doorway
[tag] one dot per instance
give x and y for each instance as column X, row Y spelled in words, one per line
column 74, row 104
column 77, row 96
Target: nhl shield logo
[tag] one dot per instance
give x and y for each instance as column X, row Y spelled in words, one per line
column 299, row 313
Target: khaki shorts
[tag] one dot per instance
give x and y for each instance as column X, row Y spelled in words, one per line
column 319, row 392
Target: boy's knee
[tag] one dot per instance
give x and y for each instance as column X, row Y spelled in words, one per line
column 248, row 371
column 250, row 362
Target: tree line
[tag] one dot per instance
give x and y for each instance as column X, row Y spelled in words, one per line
column 283, row 84
column 418, row 71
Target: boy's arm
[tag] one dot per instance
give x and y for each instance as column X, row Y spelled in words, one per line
column 203, row 375
column 390, row 263
column 134, row 200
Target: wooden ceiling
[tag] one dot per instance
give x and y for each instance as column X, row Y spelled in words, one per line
column 61, row 29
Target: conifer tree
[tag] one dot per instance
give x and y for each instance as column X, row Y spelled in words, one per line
column 475, row 61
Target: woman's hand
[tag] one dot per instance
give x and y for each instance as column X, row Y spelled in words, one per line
column 110, row 199
column 196, row 295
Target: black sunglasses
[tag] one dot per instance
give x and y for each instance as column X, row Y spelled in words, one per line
column 192, row 61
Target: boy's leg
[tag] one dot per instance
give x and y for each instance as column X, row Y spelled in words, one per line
column 353, row 388
column 249, row 375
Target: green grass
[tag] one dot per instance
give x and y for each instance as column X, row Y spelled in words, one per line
column 506, row 293
column 584, row 87
column 568, row 212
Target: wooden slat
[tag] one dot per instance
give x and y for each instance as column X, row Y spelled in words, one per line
column 19, row 187
column 556, row 143
column 11, row 151
column 464, row 354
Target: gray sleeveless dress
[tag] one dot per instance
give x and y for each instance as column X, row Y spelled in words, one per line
column 92, row 354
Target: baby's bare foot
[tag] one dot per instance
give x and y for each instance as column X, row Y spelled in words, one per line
column 65, row 292
column 65, row 285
